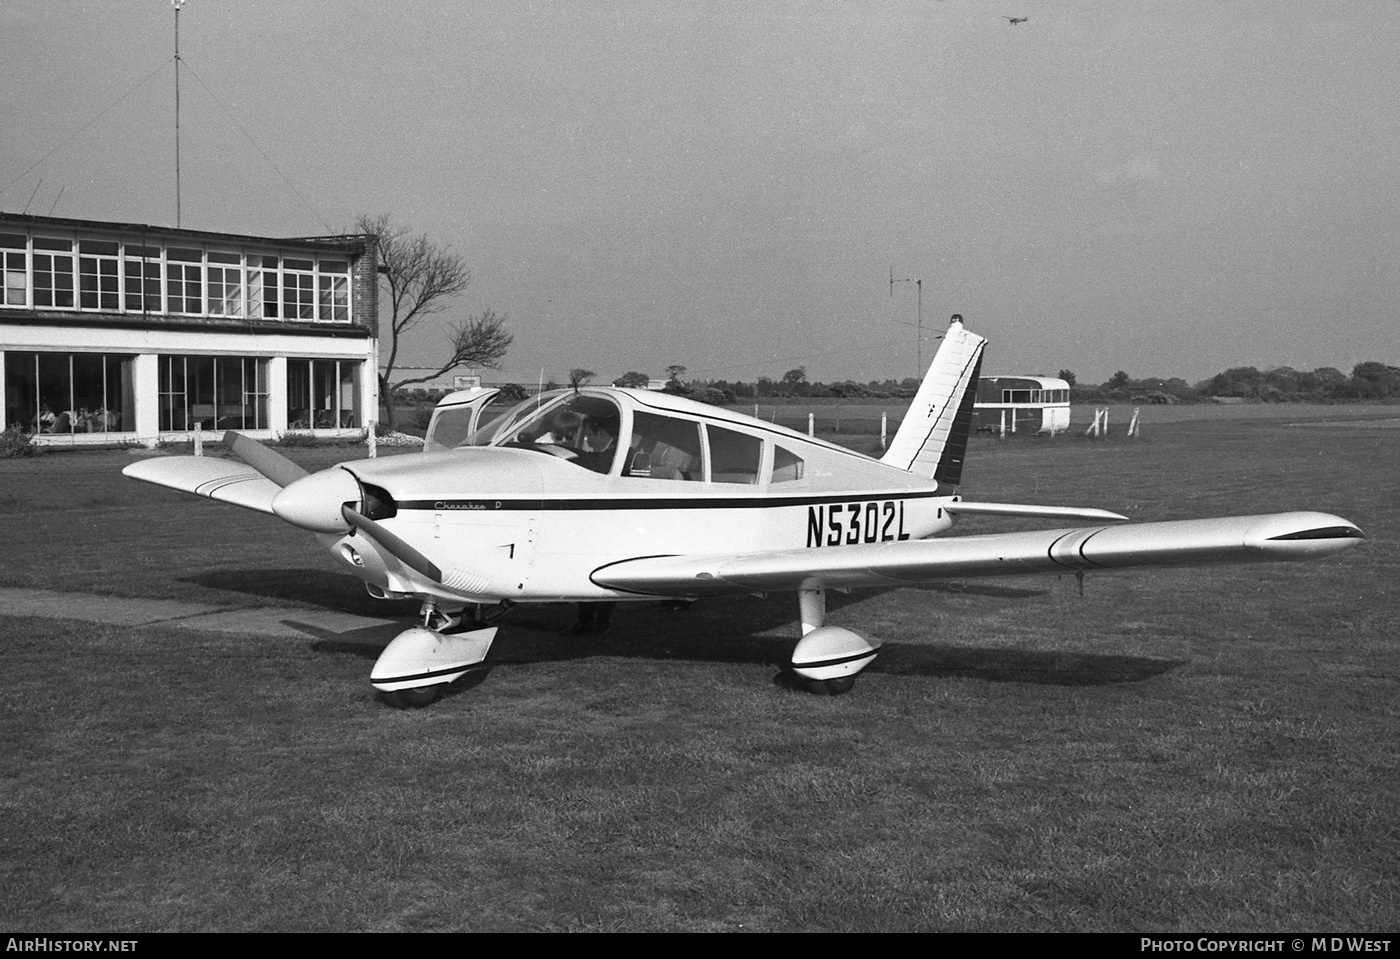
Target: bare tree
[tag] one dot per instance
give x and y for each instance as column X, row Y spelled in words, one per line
column 579, row 377
column 421, row 277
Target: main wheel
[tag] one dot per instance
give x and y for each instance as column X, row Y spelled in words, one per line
column 832, row 687
column 415, row 698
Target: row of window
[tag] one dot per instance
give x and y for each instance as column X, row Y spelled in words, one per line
column 1035, row 396
column 94, row 393
column 584, row 429
column 124, row 277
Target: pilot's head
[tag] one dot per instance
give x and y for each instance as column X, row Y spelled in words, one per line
column 600, row 431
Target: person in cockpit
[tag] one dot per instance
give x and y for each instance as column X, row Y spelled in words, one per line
column 563, row 430
column 599, row 443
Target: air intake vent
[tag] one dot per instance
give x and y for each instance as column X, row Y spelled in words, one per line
column 378, row 503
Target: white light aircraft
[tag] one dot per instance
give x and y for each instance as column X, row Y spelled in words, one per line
column 604, row 494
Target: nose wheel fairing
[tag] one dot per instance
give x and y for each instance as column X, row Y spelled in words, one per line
column 422, row 657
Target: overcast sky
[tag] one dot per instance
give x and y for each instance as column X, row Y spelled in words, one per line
column 1166, row 188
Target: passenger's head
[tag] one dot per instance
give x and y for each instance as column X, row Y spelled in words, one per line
column 565, row 423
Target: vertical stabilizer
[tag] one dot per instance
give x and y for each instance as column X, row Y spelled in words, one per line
column 932, row 440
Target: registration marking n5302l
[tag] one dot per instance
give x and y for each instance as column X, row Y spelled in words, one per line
column 846, row 524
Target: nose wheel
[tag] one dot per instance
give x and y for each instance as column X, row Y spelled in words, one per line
column 413, row 698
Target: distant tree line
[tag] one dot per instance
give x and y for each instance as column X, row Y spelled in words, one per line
column 792, row 384
column 1368, row 382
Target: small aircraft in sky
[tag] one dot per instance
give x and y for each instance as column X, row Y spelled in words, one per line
column 601, row 494
column 1016, row 20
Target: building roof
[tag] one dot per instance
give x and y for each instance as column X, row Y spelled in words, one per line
column 348, row 244
column 1031, row 381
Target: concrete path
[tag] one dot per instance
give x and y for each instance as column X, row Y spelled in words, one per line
column 263, row 620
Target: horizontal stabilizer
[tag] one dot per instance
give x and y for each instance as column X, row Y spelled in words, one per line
column 1198, row 542
column 961, row 508
column 219, row 479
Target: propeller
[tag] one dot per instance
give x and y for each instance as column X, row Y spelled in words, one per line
column 268, row 462
column 396, row 546
column 309, row 504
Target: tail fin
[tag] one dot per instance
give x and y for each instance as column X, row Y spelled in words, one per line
column 932, row 440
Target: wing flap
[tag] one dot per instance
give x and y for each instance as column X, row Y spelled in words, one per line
column 218, row 479
column 1201, row 542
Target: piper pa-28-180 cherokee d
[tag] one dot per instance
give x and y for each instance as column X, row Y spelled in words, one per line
column 597, row 495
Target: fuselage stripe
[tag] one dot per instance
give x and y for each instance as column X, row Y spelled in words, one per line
column 485, row 504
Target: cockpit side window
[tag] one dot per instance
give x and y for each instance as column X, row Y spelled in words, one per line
column 582, row 429
column 506, row 427
column 495, row 414
column 734, row 457
column 664, row 448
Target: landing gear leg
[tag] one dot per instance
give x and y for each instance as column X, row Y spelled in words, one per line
column 433, row 616
column 812, row 603
column 476, row 616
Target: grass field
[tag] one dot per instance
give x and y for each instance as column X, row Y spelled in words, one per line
column 1173, row 751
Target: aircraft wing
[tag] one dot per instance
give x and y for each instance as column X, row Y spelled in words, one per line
column 224, row 480
column 1197, row 542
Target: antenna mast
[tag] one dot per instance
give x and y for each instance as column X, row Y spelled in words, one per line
column 177, row 4
column 919, row 286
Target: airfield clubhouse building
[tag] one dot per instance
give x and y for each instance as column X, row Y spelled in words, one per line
column 115, row 332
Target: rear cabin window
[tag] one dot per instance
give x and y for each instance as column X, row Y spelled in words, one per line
column 734, row 457
column 787, row 466
column 664, row 448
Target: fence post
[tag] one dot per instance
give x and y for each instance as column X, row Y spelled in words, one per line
column 1100, row 424
column 372, row 439
column 198, row 440
column 1001, row 430
column 811, row 424
column 1134, row 429
column 885, row 429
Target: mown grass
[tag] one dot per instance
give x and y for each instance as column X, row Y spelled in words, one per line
column 1173, row 751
